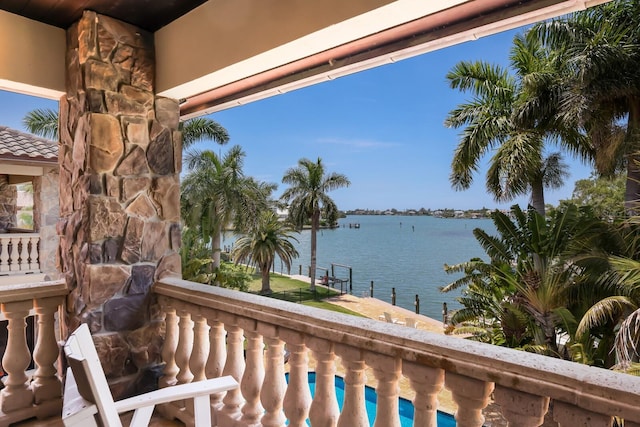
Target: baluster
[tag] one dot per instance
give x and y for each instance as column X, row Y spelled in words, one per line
column 47, row 390
column 197, row 331
column 274, row 386
column 30, row 253
column 4, row 254
column 253, row 377
column 37, row 260
column 234, row 366
column 567, row 415
column 16, row 394
column 297, row 398
column 354, row 412
column 387, row 372
column 216, row 360
column 18, row 248
column 324, row 411
column 11, row 249
column 521, row 409
column 200, row 351
column 169, row 349
column 185, row 345
column 471, row 395
column 427, row 383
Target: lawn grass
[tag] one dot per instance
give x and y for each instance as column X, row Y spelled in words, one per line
column 293, row 290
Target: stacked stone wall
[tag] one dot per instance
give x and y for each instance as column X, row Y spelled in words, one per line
column 45, row 217
column 119, row 194
column 8, row 199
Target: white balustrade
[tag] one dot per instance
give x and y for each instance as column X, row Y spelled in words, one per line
column 354, row 411
column 297, row 398
column 521, row 383
column 519, row 408
column 25, row 396
column 253, row 376
column 234, row 366
column 169, row 348
column 387, row 371
column 274, row 386
column 324, row 410
column 19, row 253
column 46, row 386
column 216, row 360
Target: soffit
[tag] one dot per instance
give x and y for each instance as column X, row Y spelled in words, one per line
column 216, row 54
column 149, row 15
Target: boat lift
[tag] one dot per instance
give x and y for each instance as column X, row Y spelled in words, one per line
column 332, row 280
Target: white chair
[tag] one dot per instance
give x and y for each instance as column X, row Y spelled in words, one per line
column 87, row 394
column 411, row 322
column 390, row 319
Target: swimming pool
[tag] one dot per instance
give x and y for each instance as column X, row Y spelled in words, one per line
column 405, row 406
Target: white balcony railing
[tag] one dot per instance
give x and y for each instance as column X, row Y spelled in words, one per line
column 19, row 253
column 213, row 331
column 210, row 330
column 38, row 393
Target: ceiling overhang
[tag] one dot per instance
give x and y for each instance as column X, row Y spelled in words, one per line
column 226, row 53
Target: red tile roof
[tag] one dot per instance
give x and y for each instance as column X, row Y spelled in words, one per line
column 16, row 145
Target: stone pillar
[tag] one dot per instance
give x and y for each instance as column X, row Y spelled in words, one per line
column 8, row 200
column 119, row 194
column 45, row 217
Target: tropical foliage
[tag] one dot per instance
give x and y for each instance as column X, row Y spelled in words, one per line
column 307, row 198
column 524, row 294
column 216, row 194
column 493, row 120
column 268, row 238
column 605, row 195
column 602, row 91
column 42, row 122
column 197, row 265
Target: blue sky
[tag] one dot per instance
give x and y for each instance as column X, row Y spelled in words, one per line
column 383, row 128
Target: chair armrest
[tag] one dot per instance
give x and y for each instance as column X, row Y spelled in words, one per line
column 177, row 392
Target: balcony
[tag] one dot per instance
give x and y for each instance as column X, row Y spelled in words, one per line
column 213, row 331
column 19, row 255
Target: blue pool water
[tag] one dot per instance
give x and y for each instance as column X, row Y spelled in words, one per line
column 405, row 406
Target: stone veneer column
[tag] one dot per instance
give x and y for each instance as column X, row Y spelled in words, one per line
column 45, row 217
column 8, row 200
column 120, row 159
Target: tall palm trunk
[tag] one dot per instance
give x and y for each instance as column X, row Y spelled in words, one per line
column 315, row 224
column 632, row 190
column 264, row 273
column 549, row 330
column 216, row 239
column 537, row 195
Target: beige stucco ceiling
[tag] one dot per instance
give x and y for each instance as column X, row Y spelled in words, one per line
column 225, row 53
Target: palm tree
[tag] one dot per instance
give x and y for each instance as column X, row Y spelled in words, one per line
column 215, row 194
column 528, row 286
column 307, row 198
column 602, row 93
column 202, row 129
column 616, row 308
column 492, row 121
column 44, row 123
column 268, row 238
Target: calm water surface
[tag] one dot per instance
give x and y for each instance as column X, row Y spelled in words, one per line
column 405, row 252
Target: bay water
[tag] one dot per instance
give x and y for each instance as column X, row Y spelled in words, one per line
column 407, row 253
